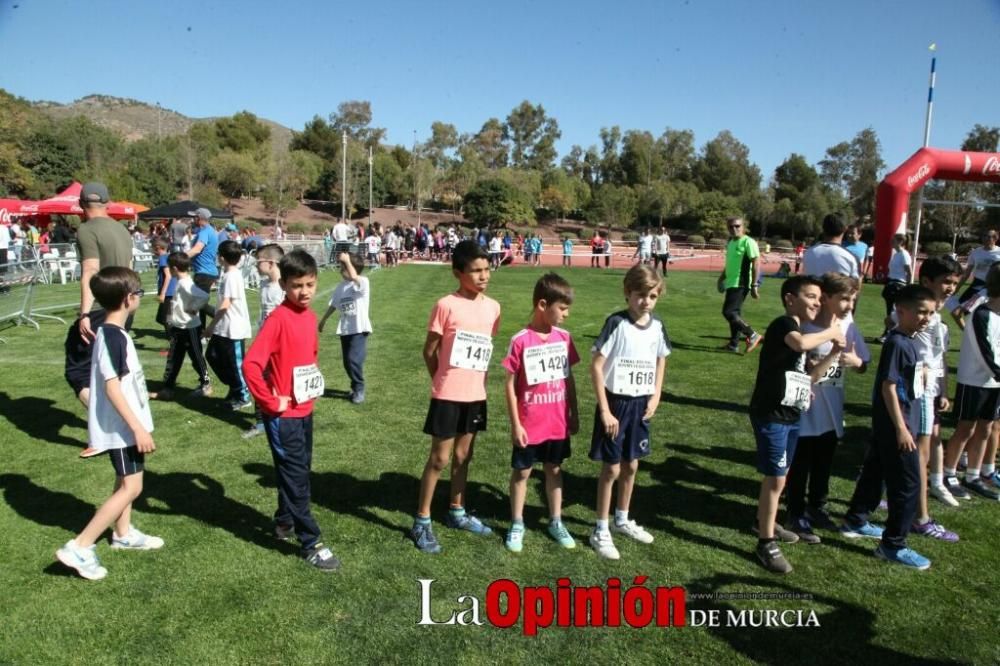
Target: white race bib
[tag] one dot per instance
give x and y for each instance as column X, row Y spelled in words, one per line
column 140, row 387
column 348, row 307
column 546, row 363
column 919, row 380
column 798, row 390
column 307, row 383
column 471, row 351
column 633, row 376
column 833, row 377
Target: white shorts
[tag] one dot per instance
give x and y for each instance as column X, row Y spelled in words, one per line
column 921, row 418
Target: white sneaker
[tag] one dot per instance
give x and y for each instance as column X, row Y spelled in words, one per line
column 135, row 540
column 942, row 494
column 84, row 560
column 632, row 530
column 603, row 544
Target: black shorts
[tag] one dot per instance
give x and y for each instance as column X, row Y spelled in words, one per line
column 975, row 403
column 162, row 310
column 553, row 452
column 127, row 461
column 79, row 353
column 632, row 441
column 972, row 290
column 447, row 418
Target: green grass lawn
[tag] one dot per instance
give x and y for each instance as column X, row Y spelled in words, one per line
column 223, row 591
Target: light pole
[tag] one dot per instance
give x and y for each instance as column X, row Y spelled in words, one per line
column 927, row 141
column 159, row 127
column 343, row 177
column 370, row 162
column 416, row 177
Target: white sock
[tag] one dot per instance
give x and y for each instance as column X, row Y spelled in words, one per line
column 988, row 470
column 621, row 517
column 950, row 472
column 971, row 473
column 937, row 479
column 602, row 526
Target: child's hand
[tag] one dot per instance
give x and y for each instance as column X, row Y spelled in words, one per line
column 851, row 360
column 651, row 406
column 839, row 340
column 944, row 405
column 905, row 440
column 283, row 402
column 207, row 334
column 610, row 424
column 161, row 298
column 520, row 436
column 144, row 441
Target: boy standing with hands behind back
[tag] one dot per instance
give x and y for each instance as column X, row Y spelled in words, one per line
column 629, row 357
column 457, row 353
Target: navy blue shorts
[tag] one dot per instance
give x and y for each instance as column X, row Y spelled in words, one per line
column 632, row 441
column 552, row 452
column 127, row 461
column 775, row 446
column 447, row 418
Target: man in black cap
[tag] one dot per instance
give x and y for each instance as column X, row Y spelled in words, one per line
column 102, row 242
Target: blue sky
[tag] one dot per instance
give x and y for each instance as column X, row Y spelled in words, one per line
column 783, row 76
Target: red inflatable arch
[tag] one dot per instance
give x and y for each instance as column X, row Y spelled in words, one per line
column 892, row 200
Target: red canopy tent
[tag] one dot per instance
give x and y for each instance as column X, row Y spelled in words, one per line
column 67, row 202
column 10, row 207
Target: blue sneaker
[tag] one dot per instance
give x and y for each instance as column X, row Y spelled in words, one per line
column 864, row 531
column 515, row 538
column 562, row 536
column 905, row 556
column 468, row 523
column 423, row 537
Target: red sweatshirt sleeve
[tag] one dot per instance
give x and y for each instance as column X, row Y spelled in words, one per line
column 256, row 362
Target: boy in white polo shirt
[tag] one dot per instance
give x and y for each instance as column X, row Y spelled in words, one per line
column 352, row 297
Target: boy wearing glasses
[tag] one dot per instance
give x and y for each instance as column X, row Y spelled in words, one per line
column 119, row 421
column 271, row 296
column 739, row 277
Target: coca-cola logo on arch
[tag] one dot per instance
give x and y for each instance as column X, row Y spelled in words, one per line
column 992, row 166
column 921, row 173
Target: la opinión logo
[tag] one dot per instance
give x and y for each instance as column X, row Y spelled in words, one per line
column 568, row 605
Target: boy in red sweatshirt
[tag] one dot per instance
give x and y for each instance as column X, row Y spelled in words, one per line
column 280, row 370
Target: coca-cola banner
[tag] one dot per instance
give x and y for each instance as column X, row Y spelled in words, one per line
column 892, row 200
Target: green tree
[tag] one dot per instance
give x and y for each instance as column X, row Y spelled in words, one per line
column 835, row 168
column 235, row 173
column 444, row 138
column 317, row 137
column 242, row 132
column 491, row 145
column 532, row 136
column 610, row 162
column 712, row 210
column 641, row 162
column 494, row 202
column 355, row 117
column 613, row 205
column 676, row 148
column 866, row 169
column 724, row 166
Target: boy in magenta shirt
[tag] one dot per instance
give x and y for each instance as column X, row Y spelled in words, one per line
column 457, row 353
column 541, row 402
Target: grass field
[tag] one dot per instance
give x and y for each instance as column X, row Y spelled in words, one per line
column 223, row 591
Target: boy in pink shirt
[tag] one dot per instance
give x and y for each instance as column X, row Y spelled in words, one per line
column 457, row 353
column 541, row 402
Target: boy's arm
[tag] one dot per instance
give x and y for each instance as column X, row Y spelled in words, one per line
column 143, row 440
column 352, row 275
column 329, row 311
column 574, row 411
column 219, row 313
column 800, row 342
column 608, row 419
column 432, row 345
column 254, row 365
column 980, row 328
column 654, row 400
column 817, row 371
column 162, row 296
column 903, row 437
column 517, row 431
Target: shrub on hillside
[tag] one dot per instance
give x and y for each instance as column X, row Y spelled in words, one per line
column 937, row 248
column 297, row 228
column 966, row 248
column 696, row 240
